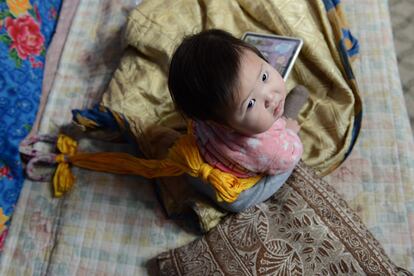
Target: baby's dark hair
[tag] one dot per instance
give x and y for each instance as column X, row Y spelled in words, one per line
column 203, row 73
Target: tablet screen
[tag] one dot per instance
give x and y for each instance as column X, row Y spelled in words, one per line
column 280, row 51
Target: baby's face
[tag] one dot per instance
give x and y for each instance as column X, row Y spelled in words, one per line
column 260, row 97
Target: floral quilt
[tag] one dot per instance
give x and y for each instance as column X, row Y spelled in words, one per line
column 26, row 28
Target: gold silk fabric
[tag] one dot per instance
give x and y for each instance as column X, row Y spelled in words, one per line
column 155, row 28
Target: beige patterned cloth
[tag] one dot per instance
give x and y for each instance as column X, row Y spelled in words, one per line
column 401, row 12
column 152, row 33
column 304, row 229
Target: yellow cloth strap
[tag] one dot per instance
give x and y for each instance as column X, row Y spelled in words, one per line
column 183, row 157
column 63, row 179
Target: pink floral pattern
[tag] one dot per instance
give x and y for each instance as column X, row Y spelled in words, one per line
column 273, row 152
column 25, row 31
column 25, row 34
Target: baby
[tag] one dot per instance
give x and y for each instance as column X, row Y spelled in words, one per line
column 236, row 102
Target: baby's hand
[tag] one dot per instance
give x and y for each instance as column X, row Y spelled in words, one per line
column 292, row 125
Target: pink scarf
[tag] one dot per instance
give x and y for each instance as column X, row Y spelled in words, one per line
column 274, row 151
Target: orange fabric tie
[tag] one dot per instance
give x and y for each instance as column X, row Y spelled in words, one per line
column 183, row 157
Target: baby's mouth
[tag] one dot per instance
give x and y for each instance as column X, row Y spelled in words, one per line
column 278, row 110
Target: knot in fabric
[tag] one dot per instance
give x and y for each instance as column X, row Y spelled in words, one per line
column 204, row 171
column 63, row 180
column 61, row 158
column 67, row 145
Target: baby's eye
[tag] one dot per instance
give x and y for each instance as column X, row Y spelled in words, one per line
column 265, row 76
column 251, row 103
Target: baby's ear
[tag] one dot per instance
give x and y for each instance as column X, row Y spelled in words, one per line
column 295, row 100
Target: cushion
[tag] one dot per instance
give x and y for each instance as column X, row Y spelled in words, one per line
column 138, row 92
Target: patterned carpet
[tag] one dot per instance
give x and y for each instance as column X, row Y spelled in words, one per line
column 402, row 12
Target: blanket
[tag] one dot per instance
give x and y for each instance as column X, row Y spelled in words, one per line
column 26, row 28
column 330, row 121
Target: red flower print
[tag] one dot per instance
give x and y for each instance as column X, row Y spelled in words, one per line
column 26, row 36
column 5, row 172
column 3, row 228
column 35, row 64
column 3, row 235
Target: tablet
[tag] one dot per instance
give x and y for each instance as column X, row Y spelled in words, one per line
column 280, row 51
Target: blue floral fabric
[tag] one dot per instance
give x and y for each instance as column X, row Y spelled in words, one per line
column 26, row 28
